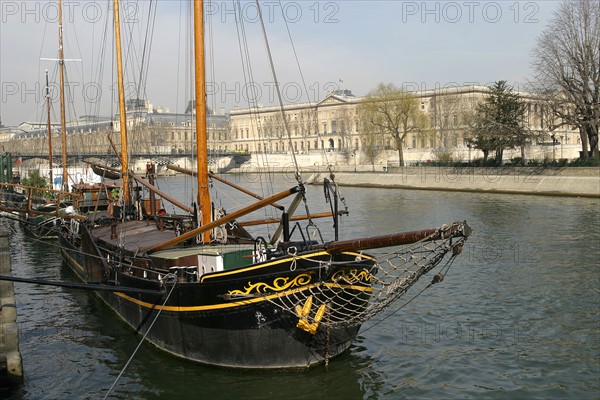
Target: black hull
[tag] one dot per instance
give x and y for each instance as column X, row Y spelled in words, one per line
column 198, row 325
column 231, row 338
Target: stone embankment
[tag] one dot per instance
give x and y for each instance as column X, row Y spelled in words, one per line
column 11, row 367
column 579, row 182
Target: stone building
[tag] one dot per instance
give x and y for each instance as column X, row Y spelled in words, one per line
column 332, row 124
column 150, row 131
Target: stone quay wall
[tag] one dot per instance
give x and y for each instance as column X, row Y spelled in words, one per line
column 11, row 367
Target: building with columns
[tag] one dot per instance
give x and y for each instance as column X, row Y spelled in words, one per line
column 332, row 124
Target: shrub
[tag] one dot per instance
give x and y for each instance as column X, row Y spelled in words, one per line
column 591, row 162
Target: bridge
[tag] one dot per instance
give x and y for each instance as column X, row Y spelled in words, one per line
column 159, row 158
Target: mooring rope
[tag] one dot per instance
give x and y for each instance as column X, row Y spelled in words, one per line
column 143, row 338
column 74, row 285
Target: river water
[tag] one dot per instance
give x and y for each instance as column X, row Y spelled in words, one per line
column 516, row 317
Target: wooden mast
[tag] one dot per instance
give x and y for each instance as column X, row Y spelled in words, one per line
column 49, row 127
column 63, row 122
column 122, row 110
column 204, row 201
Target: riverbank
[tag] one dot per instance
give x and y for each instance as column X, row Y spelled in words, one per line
column 576, row 182
column 11, row 368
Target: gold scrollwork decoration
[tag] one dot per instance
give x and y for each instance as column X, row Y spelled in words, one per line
column 278, row 285
column 352, row 276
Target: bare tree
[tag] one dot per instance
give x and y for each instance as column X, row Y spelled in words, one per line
column 345, row 121
column 275, row 128
column 566, row 62
column 445, row 111
column 307, row 123
column 372, row 143
column 389, row 110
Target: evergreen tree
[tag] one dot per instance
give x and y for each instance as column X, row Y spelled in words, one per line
column 498, row 122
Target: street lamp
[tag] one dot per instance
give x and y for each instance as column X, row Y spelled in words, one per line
column 469, row 146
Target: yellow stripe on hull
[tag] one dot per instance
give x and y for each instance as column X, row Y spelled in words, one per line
column 238, row 303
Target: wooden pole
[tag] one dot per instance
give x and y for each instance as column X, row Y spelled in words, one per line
column 226, row 182
column 161, row 194
column 147, row 185
column 63, row 122
column 278, row 220
column 122, row 109
column 49, row 128
column 457, row 229
column 204, row 201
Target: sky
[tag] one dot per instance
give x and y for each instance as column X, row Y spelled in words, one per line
column 316, row 46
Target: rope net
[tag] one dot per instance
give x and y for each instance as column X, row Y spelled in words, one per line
column 355, row 295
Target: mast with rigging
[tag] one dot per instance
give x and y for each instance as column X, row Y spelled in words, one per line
column 122, row 116
column 49, row 128
column 204, row 201
column 63, row 123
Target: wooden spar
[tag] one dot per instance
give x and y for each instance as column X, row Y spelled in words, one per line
column 148, row 186
column 291, row 210
column 161, row 194
column 204, row 202
column 48, row 104
column 278, row 220
column 63, row 122
column 229, row 217
column 122, row 110
column 109, row 172
column 457, row 229
column 226, row 182
column 16, row 186
column 103, row 167
column 29, row 207
column 48, row 214
column 112, row 144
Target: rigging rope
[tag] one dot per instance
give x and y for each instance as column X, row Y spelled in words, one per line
column 144, row 337
column 266, row 187
column 279, row 97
